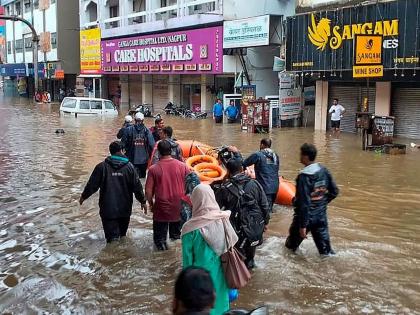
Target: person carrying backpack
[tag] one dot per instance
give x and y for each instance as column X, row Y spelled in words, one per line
column 250, row 212
column 138, row 143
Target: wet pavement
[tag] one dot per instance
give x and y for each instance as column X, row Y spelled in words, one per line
column 53, row 257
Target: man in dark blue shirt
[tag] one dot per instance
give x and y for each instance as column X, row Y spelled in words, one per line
column 218, row 111
column 232, row 112
column 266, row 164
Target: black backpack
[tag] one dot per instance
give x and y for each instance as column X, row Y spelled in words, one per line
column 247, row 218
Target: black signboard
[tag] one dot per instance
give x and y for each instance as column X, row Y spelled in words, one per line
column 324, row 41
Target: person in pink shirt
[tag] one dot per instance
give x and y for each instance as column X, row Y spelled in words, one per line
column 164, row 190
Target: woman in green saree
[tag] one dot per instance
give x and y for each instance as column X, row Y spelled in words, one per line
column 205, row 238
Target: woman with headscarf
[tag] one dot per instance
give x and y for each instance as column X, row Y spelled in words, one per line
column 205, row 237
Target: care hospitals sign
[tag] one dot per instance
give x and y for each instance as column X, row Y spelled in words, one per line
column 90, row 51
column 248, row 32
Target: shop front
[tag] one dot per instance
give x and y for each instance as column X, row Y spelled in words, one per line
column 366, row 56
column 18, row 78
column 176, row 66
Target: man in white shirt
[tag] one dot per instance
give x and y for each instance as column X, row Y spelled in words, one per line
column 336, row 112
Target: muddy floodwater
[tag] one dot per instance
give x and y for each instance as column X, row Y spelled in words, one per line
column 53, row 258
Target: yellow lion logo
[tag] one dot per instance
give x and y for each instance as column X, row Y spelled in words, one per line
column 319, row 34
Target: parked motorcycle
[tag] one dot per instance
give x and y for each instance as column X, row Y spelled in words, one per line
column 144, row 109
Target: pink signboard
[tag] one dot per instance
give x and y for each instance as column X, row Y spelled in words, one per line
column 185, row 52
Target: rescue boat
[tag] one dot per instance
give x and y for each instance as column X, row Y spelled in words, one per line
column 210, row 171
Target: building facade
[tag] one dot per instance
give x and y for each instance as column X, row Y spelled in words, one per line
column 156, row 51
column 57, row 24
column 367, row 56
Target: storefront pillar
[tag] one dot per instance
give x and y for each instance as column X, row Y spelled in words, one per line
column 174, row 88
column 383, row 99
column 147, row 89
column 321, row 105
column 124, row 91
column 207, row 98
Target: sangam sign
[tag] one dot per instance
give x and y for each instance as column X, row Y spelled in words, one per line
column 186, row 52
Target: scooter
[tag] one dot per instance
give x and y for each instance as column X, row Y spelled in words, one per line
column 263, row 310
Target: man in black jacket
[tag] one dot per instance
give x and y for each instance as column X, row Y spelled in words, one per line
column 117, row 180
column 315, row 189
column 246, row 199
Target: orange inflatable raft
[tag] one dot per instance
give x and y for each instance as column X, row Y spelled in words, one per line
column 287, row 189
column 191, row 148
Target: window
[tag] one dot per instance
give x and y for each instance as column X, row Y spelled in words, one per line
column 69, row 103
column 109, row 105
column 28, row 43
column 9, row 47
column 9, row 10
column 84, row 104
column 18, row 8
column 52, row 1
column 36, row 4
column 113, row 11
column 27, row 5
column 19, row 45
column 167, row 3
column 53, row 40
column 96, row 105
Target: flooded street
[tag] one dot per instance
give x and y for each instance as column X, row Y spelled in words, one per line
column 53, row 257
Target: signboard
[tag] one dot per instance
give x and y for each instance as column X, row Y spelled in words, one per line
column 368, row 50
column 279, row 64
column 45, row 42
column 368, row 57
column 44, row 4
column 368, row 71
column 196, row 51
column 14, row 70
column 325, row 40
column 290, row 103
column 90, row 51
column 248, row 32
column 59, row 74
column 285, row 81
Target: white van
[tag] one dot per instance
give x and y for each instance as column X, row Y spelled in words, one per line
column 87, row 106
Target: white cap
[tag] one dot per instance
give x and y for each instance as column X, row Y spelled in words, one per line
column 128, row 119
column 139, row 116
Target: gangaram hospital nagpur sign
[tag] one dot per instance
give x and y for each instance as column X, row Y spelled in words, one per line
column 323, row 34
column 193, row 51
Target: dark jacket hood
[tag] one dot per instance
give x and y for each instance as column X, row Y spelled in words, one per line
column 311, row 169
column 270, row 154
column 117, row 161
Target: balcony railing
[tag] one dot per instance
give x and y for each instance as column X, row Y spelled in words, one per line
column 178, row 10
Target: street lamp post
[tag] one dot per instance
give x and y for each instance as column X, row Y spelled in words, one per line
column 35, row 39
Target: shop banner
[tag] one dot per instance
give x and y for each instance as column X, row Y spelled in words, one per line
column 325, row 41
column 14, row 70
column 248, row 32
column 290, row 103
column 196, row 51
column 90, row 51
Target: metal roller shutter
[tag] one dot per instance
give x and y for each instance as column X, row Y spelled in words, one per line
column 351, row 98
column 406, row 110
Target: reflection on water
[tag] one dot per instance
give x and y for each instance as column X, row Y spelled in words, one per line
column 53, row 256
